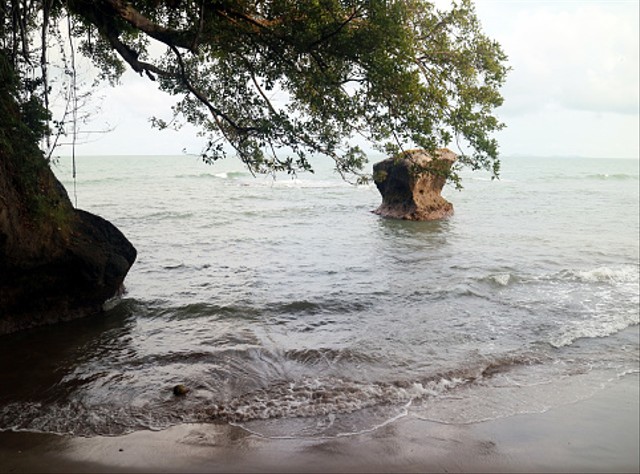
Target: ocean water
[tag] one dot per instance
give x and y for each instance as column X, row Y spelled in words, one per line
column 288, row 308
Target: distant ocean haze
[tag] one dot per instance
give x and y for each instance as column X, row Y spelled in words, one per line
column 287, row 307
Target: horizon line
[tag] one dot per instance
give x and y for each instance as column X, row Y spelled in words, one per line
column 195, row 155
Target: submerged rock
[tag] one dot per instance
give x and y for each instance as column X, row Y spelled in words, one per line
column 411, row 183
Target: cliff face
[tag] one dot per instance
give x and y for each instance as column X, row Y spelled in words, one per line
column 410, row 185
column 56, row 262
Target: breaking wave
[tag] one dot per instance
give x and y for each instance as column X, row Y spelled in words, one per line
column 625, row 274
column 291, row 399
column 613, row 177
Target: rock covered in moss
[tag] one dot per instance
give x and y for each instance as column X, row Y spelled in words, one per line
column 411, row 183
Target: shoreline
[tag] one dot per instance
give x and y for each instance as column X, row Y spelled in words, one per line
column 598, row 434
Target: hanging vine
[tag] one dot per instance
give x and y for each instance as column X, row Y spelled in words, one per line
column 74, row 110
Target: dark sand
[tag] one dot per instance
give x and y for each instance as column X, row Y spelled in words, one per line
column 600, row 434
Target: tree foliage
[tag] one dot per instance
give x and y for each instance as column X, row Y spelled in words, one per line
column 281, row 80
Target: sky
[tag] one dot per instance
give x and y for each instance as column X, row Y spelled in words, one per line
column 572, row 91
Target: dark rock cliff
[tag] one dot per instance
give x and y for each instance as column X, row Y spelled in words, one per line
column 56, row 262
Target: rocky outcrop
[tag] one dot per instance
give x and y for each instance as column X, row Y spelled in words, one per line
column 410, row 184
column 56, row 262
column 61, row 275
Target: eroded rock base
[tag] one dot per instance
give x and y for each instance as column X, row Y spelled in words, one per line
column 411, row 183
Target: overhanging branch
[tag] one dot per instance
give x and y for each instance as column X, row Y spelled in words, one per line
column 171, row 37
column 131, row 56
column 202, row 98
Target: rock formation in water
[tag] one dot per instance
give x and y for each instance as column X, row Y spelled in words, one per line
column 410, row 184
column 56, row 262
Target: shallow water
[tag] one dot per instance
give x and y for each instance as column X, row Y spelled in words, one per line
column 287, row 307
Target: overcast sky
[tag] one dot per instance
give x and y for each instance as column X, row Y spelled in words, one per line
column 573, row 90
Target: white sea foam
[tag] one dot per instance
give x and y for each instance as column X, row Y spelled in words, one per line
column 603, row 325
column 608, row 297
column 322, row 397
column 601, row 274
column 615, row 176
column 328, row 427
column 300, row 183
column 501, row 279
column 625, row 274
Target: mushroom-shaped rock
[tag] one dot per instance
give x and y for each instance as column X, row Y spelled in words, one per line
column 411, row 182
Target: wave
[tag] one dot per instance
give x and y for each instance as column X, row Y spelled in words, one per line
column 583, row 303
column 170, row 215
column 618, row 274
column 300, row 183
column 199, row 310
column 244, row 178
column 613, row 177
column 333, row 306
column 624, row 274
column 328, row 356
column 95, row 181
column 245, row 309
column 220, row 175
column 313, row 397
column 610, row 303
column 79, row 419
column 321, row 397
column 307, row 397
column 161, row 309
column 232, row 174
column 593, row 329
column 501, row 279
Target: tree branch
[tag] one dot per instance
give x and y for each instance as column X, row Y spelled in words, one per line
column 333, row 33
column 202, row 98
column 168, row 36
column 131, row 56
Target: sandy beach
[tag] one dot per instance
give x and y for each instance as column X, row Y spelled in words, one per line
column 599, row 434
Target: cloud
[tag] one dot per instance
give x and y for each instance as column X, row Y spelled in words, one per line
column 576, row 55
column 555, row 131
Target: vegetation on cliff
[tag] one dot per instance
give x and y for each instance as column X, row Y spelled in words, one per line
column 39, row 197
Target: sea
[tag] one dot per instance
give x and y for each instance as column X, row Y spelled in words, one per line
column 287, row 308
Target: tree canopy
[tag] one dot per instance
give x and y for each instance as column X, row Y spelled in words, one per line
column 278, row 81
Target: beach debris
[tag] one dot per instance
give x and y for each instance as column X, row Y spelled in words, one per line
column 180, row 390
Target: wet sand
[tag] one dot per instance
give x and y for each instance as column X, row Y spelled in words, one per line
column 600, row 434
